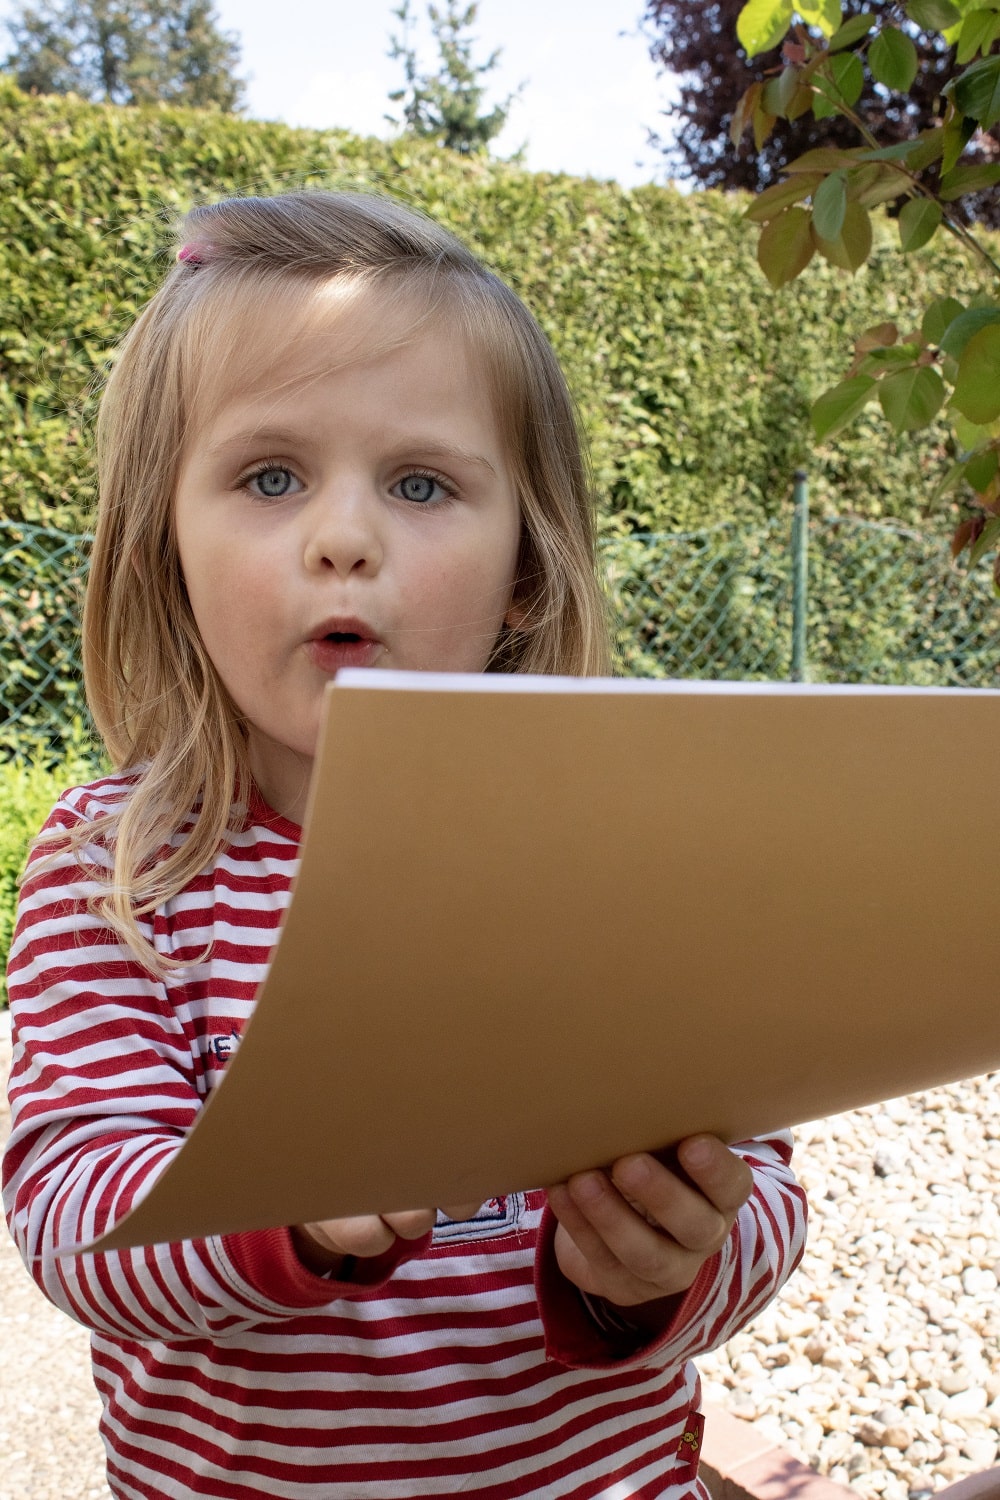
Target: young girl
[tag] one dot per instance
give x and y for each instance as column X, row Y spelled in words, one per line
column 331, row 438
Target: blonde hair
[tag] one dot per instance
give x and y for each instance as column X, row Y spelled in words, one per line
column 153, row 691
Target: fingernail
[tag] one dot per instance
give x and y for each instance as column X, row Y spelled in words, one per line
column 589, row 1186
column 697, row 1153
column 633, row 1172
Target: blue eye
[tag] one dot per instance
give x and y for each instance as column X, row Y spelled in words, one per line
column 273, row 483
column 421, row 489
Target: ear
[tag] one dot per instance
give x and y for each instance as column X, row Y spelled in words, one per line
column 516, row 615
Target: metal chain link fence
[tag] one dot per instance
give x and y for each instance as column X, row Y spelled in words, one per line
column 884, row 604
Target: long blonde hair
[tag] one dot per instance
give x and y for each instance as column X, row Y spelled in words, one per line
column 153, row 691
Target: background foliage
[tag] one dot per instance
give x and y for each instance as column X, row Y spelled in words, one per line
column 694, row 378
column 698, row 43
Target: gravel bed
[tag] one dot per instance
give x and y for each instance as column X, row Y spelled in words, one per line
column 879, row 1365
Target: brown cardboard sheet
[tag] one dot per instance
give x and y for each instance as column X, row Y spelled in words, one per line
column 540, row 923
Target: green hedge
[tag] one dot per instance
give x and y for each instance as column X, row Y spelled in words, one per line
column 693, row 377
column 27, row 795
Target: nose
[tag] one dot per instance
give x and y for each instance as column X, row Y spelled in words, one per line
column 342, row 530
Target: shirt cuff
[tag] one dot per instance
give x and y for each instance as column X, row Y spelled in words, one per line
column 587, row 1333
column 266, row 1259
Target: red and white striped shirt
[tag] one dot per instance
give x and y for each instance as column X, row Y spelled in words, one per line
column 463, row 1363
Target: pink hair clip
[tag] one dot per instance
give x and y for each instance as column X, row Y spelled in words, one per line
column 195, row 255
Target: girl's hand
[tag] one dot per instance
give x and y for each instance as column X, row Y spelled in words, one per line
column 641, row 1232
column 325, row 1246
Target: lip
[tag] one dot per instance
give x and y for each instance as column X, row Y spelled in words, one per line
column 343, row 641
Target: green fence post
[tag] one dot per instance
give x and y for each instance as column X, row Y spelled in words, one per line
column 800, row 573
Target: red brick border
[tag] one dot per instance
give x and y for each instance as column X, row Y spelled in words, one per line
column 738, row 1462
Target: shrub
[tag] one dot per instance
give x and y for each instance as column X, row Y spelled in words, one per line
column 28, row 792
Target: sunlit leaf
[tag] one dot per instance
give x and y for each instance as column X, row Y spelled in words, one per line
column 852, row 31
column 786, row 246
column 852, row 246
column 938, row 317
column 911, row 398
column 977, row 389
column 918, row 221
column 761, row 24
column 933, row 15
column 768, row 204
column 979, row 31
column 825, row 15
column 830, row 205
column 963, row 327
column 838, row 407
column 968, row 179
column 893, row 59
column 977, row 92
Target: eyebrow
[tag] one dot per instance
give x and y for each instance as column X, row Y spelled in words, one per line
column 284, row 437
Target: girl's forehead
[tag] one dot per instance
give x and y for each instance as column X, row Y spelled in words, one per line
column 273, row 344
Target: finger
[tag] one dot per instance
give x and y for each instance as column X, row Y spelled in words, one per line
column 462, row 1211
column 585, row 1259
column 621, row 1242
column 676, row 1207
column 411, row 1225
column 725, row 1178
column 362, row 1236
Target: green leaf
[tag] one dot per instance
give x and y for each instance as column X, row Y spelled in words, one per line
column 779, row 92
column 821, row 159
column 918, row 221
column 970, row 434
column 980, row 468
column 852, row 246
column 877, row 361
column 958, row 132
column 825, row 15
column 893, row 59
column 977, row 389
column 965, row 326
column 987, row 539
column 876, row 182
column 761, row 24
column 768, row 204
column 786, row 246
column 977, row 92
column 933, row 15
column 969, row 179
column 947, row 482
column 838, row 407
column 852, row 31
column 938, row 317
column 980, row 29
column 830, row 205
column 911, row 398
column 839, row 86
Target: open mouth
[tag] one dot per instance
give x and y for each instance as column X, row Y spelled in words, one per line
column 341, row 636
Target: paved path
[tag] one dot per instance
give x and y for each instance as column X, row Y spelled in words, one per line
column 49, row 1447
